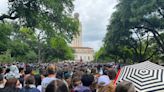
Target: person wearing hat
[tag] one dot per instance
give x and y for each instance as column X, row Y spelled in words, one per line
column 12, row 72
column 104, row 84
column 67, row 78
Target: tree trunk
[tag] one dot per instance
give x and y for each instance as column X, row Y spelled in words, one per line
column 39, row 53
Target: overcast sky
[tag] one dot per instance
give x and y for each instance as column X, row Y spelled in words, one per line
column 94, row 16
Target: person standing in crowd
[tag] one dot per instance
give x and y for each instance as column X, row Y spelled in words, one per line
column 28, row 72
column 12, row 85
column 30, row 85
column 12, row 72
column 14, row 69
column 67, row 79
column 38, row 81
column 39, row 77
column 60, row 74
column 51, row 76
column 21, row 74
column 87, row 81
column 125, row 87
column 107, row 67
column 2, row 81
column 76, row 82
column 104, row 84
column 112, row 75
column 57, row 86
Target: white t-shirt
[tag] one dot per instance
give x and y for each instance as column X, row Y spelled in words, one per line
column 45, row 82
column 39, row 88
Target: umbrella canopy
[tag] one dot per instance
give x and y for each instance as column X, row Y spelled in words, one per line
column 146, row 76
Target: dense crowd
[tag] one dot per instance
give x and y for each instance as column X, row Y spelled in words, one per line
column 62, row 77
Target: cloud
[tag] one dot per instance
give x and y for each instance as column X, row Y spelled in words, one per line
column 3, row 6
column 92, row 44
column 94, row 16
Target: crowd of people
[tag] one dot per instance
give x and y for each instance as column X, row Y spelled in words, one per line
column 61, row 77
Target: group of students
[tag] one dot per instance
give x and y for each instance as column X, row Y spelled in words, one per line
column 61, row 78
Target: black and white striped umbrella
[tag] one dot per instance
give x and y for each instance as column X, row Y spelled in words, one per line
column 146, row 76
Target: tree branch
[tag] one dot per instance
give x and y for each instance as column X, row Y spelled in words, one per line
column 4, row 16
column 153, row 30
column 140, row 44
column 147, row 44
column 160, row 12
column 156, row 36
column 150, row 56
column 159, row 8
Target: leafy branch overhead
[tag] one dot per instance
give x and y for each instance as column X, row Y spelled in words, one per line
column 135, row 30
column 44, row 15
column 33, row 25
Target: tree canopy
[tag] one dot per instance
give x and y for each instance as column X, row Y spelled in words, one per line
column 135, row 30
column 31, row 26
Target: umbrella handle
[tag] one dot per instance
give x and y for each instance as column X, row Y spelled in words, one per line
column 118, row 73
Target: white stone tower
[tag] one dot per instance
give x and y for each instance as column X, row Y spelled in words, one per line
column 82, row 54
column 77, row 40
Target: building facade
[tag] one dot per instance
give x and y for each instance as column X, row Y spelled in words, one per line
column 83, row 54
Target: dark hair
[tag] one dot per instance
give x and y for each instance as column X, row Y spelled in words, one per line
column 28, row 70
column 108, row 66
column 11, row 83
column 21, row 69
column 7, row 70
column 59, row 74
column 43, row 72
column 75, row 79
column 111, row 74
column 57, row 86
column 38, row 80
column 93, row 71
column 125, row 87
column 87, row 79
column 30, row 80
